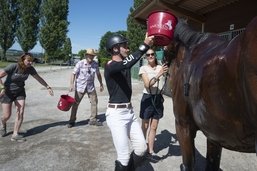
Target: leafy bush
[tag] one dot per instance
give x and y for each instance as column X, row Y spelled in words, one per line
column 103, row 61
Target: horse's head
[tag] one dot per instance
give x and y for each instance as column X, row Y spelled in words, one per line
column 169, row 53
column 184, row 36
column 173, row 53
column 185, row 40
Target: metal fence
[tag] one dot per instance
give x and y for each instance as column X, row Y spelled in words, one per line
column 229, row 35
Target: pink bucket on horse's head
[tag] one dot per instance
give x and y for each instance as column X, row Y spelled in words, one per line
column 161, row 24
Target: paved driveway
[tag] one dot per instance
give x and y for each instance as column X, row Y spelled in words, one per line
column 51, row 146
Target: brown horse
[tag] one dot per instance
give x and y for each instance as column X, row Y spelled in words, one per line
column 214, row 89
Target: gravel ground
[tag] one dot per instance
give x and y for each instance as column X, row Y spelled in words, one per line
column 51, row 146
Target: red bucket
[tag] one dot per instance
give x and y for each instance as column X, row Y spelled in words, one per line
column 161, row 24
column 65, row 102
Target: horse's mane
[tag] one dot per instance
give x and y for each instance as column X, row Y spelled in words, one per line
column 188, row 36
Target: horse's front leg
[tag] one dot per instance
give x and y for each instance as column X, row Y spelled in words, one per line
column 186, row 135
column 213, row 156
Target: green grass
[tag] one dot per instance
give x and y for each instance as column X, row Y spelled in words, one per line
column 4, row 64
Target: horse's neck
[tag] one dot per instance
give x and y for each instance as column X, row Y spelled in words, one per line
column 188, row 36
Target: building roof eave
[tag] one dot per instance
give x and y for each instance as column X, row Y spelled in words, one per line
column 189, row 9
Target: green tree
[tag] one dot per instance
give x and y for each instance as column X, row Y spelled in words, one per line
column 82, row 53
column 8, row 24
column 28, row 23
column 137, row 3
column 54, row 26
column 67, row 50
column 136, row 32
column 135, row 35
column 102, row 53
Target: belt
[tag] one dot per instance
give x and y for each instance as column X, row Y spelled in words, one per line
column 128, row 105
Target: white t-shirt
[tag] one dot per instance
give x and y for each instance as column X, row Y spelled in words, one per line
column 151, row 72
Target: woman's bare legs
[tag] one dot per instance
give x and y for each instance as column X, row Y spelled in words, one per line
column 144, row 126
column 7, row 111
column 20, row 105
column 152, row 134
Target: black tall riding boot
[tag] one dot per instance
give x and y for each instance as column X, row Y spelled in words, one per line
column 131, row 166
column 138, row 160
column 135, row 161
column 120, row 167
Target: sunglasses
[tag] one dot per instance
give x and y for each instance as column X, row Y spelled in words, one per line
column 150, row 54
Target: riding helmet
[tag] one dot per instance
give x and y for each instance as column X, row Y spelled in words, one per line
column 114, row 40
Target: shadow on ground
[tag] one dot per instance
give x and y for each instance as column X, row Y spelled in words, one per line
column 169, row 140
column 41, row 128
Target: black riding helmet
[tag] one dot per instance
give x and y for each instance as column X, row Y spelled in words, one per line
column 115, row 40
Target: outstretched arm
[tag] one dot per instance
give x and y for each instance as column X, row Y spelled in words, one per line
column 42, row 81
column 132, row 59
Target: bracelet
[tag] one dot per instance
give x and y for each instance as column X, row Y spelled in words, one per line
column 48, row 87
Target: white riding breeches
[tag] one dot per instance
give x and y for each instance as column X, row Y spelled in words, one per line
column 126, row 133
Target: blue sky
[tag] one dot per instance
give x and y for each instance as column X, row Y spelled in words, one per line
column 90, row 20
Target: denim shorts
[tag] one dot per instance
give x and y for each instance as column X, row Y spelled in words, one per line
column 151, row 106
column 10, row 96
